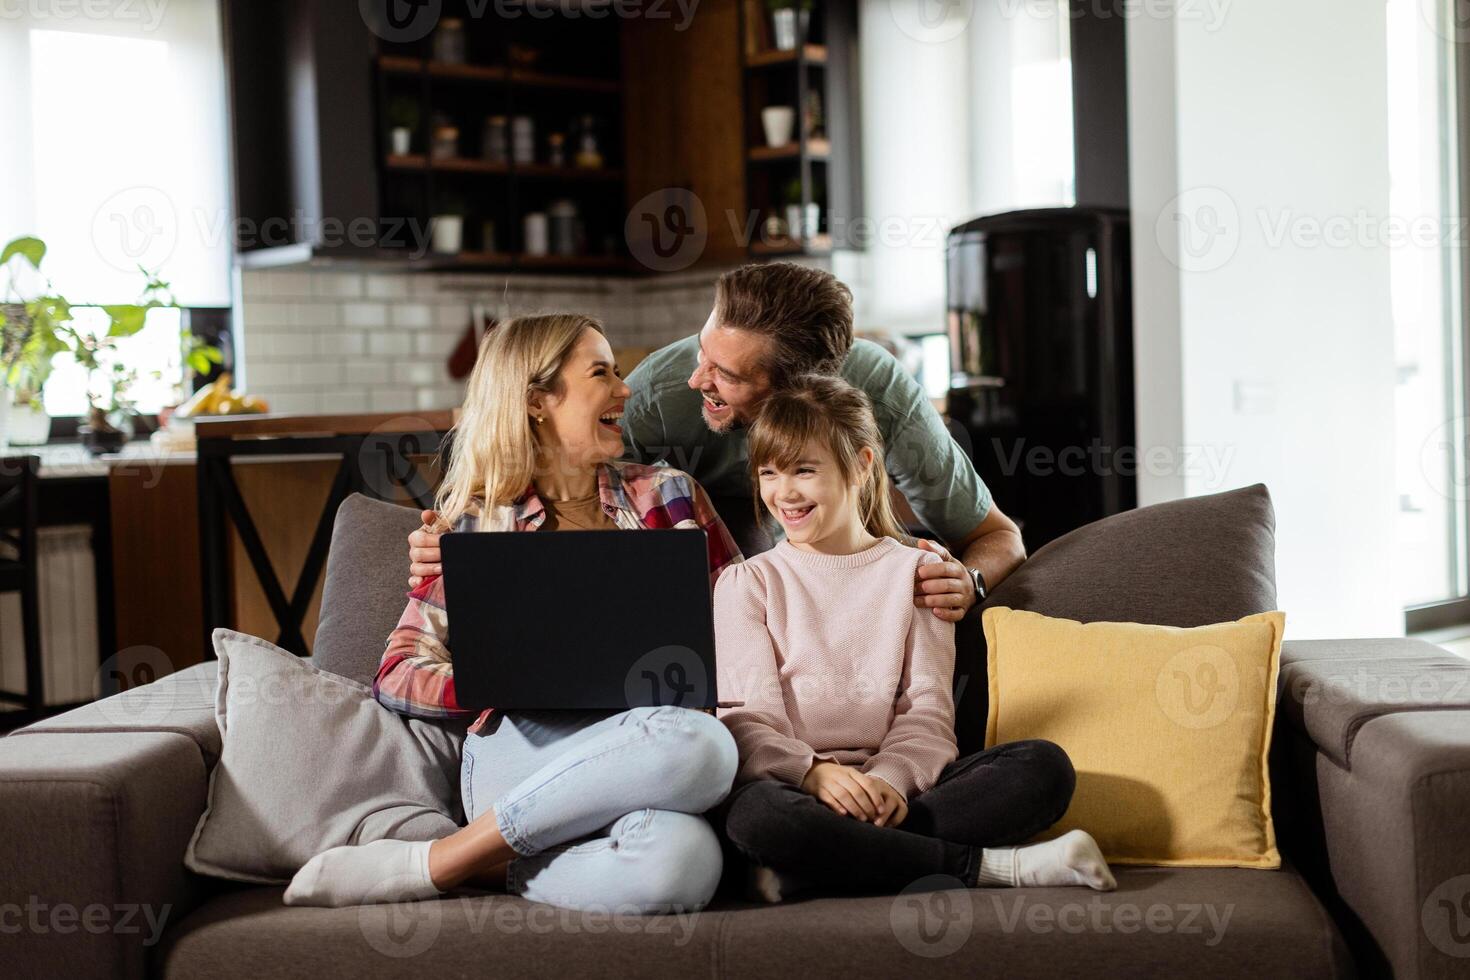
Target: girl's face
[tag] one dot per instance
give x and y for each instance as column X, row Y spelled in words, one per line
column 581, row 416
column 813, row 501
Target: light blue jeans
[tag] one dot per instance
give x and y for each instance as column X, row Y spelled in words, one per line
column 603, row 810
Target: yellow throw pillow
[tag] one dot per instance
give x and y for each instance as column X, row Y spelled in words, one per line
column 1167, row 728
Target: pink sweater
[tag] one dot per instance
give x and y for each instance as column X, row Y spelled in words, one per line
column 834, row 662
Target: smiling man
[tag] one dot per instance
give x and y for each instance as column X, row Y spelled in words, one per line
column 693, row 399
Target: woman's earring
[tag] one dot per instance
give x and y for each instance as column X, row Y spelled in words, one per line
column 540, row 419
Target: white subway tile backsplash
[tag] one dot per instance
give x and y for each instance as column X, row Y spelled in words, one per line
column 365, row 372
column 277, row 345
column 295, row 402
column 351, row 400
column 419, row 372
column 267, row 314
column 390, row 344
column 337, row 285
column 317, row 314
column 336, row 344
column 388, row 287
column 412, row 316
column 435, row 344
column 392, row 399
column 370, row 316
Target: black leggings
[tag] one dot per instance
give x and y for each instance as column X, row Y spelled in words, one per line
column 1002, row 796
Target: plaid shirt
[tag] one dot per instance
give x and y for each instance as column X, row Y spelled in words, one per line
column 416, row 677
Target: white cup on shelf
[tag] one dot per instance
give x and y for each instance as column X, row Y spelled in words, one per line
column 779, row 121
column 447, row 234
column 536, row 233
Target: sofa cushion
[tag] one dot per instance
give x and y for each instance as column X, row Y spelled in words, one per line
column 1161, row 922
column 366, row 586
column 1189, row 562
column 1168, row 729
column 311, row 761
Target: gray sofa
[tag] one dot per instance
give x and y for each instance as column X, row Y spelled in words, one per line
column 1371, row 787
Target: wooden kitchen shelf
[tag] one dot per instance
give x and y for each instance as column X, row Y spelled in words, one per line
column 817, row 149
column 401, row 65
column 469, row 165
column 812, row 54
column 816, row 245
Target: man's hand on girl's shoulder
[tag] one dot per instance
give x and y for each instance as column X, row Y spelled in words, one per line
column 943, row 586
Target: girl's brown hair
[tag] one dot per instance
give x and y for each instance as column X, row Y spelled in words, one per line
column 825, row 410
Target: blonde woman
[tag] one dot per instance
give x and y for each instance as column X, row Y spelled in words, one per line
column 581, row 810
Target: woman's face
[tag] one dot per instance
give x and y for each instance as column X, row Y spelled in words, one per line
column 812, row 499
column 582, row 413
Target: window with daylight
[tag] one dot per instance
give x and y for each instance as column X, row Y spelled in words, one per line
column 1428, row 315
column 116, row 157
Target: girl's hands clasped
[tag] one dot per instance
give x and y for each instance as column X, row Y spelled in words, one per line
column 855, row 794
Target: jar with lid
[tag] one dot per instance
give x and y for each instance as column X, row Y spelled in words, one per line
column 494, row 147
column 449, row 41
column 588, row 155
column 565, row 228
column 523, row 139
column 556, row 149
column 445, row 145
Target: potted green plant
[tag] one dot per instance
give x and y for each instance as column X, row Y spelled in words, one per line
column 35, row 329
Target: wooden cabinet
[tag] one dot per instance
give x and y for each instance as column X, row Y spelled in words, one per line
column 682, row 116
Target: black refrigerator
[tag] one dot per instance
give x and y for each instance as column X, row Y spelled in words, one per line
column 1040, row 323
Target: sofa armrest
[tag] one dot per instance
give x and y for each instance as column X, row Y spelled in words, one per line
column 1373, row 760
column 93, row 827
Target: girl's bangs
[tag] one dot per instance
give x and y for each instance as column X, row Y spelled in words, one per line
column 784, row 431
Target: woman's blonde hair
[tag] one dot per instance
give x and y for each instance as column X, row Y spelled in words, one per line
column 825, row 410
column 494, row 451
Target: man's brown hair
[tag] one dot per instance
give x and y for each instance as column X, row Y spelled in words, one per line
column 807, row 314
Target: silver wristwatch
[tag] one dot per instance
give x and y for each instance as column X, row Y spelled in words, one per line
column 979, row 581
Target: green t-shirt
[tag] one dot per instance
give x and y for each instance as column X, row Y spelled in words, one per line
column 662, row 423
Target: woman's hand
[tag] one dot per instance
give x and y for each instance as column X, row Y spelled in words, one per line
column 846, row 791
column 423, row 551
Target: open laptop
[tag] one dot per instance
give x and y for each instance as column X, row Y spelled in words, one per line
column 590, row 620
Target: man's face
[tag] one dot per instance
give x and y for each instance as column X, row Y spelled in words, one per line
column 730, row 377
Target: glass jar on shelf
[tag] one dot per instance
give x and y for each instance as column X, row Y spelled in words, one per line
column 449, row 46
column 445, row 145
column 494, row 145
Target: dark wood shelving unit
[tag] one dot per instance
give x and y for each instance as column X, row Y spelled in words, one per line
column 559, row 71
column 820, row 166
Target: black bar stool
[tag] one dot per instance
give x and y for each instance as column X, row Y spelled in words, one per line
column 19, row 480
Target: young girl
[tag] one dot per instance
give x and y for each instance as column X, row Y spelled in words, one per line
column 848, row 775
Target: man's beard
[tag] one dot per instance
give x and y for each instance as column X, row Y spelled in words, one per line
column 724, row 426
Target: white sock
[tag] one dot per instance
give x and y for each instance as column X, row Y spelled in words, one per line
column 1071, row 859
column 383, row 871
column 769, row 885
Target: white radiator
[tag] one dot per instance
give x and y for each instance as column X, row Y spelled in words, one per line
column 68, row 620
